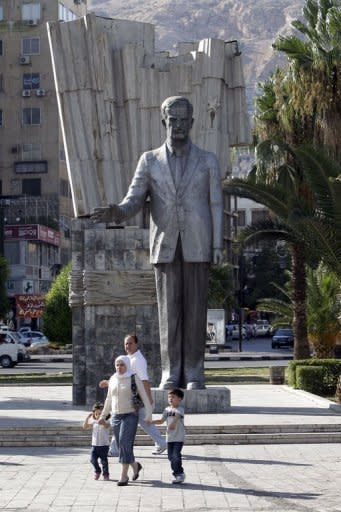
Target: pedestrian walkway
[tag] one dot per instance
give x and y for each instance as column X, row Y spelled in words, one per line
column 255, row 404
column 239, row 478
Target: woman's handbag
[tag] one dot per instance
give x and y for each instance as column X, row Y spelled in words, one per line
column 137, row 400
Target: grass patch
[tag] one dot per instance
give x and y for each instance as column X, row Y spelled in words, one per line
column 237, row 375
column 213, row 376
column 32, row 378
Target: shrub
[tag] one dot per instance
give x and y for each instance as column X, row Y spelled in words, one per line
column 326, row 380
column 311, row 379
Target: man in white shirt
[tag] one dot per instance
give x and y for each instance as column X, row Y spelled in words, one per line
column 139, row 366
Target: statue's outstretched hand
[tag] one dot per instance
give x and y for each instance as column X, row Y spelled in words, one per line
column 111, row 213
column 217, row 256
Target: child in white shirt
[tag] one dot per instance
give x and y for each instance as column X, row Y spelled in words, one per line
column 100, row 441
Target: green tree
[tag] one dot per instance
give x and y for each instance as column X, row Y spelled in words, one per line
column 324, row 311
column 260, row 272
column 301, row 104
column 308, row 92
column 286, row 224
column 220, row 287
column 57, row 313
column 4, row 275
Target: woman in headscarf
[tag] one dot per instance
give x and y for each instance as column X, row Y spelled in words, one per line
column 119, row 403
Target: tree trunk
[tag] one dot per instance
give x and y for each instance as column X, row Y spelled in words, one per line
column 338, row 391
column 301, row 345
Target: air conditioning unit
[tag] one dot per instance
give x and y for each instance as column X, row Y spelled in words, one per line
column 40, row 92
column 26, row 93
column 25, row 59
column 32, row 23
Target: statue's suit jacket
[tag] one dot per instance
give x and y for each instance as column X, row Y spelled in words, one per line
column 193, row 210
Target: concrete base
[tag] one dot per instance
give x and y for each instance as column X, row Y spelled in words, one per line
column 213, row 399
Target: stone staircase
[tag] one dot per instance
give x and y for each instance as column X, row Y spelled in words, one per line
column 71, row 435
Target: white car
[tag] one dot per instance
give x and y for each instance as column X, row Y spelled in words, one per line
column 8, row 355
column 262, row 330
column 12, row 338
column 43, row 342
column 32, row 336
column 232, row 332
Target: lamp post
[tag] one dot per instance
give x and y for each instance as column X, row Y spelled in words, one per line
column 240, row 300
column 2, row 224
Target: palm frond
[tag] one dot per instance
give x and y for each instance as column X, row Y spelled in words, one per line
column 295, row 49
column 267, row 230
column 320, row 172
column 273, row 197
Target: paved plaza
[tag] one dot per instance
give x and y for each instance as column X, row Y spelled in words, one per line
column 231, row 478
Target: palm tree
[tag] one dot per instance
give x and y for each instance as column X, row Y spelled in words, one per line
column 305, row 203
column 309, row 90
column 323, row 229
column 301, row 104
column 324, row 309
column 287, row 225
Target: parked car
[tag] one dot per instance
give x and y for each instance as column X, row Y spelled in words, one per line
column 32, row 336
column 22, row 339
column 262, row 328
column 43, row 342
column 12, row 339
column 24, row 328
column 8, row 355
column 232, row 332
column 283, row 338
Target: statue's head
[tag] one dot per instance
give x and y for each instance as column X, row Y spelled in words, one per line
column 177, row 118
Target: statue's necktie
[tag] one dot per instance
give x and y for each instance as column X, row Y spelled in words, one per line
column 178, row 170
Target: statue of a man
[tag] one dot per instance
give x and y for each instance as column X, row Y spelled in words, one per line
column 186, row 216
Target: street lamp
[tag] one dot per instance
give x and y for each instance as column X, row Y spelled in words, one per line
column 2, row 228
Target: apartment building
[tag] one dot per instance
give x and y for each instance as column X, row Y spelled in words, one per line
column 34, row 189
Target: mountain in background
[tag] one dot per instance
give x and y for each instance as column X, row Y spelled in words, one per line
column 255, row 24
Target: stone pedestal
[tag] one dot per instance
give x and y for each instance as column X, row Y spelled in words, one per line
column 112, row 293
column 213, row 399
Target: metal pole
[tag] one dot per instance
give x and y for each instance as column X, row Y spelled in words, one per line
column 240, row 300
column 2, row 234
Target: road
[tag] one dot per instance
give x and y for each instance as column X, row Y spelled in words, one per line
column 254, row 346
column 38, row 367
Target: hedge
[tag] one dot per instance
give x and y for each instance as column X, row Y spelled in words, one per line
column 317, row 376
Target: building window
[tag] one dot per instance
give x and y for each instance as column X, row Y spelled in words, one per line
column 31, row 46
column 32, row 253
column 1, row 47
column 1, row 83
column 1, row 13
column 31, row 81
column 0, row 117
column 31, row 152
column 31, row 187
column 0, row 187
column 241, row 221
column 65, row 14
column 31, row 116
column 30, row 167
column 30, row 11
column 259, row 215
column 12, row 252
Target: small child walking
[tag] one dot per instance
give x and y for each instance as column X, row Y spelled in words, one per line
column 100, row 441
column 174, row 416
